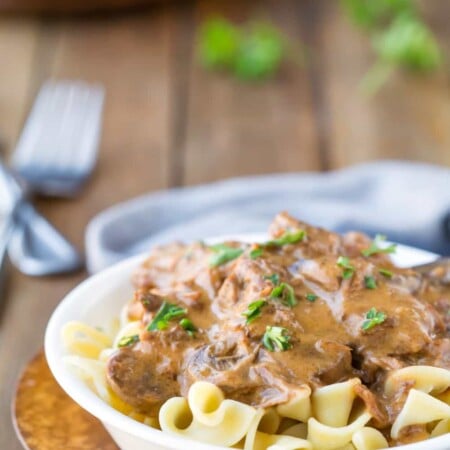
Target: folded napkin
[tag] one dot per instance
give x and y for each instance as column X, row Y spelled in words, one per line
column 409, row 202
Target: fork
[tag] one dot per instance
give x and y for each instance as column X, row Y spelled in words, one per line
column 57, row 149
column 33, row 244
column 55, row 154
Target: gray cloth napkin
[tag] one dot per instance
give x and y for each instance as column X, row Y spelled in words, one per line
column 408, row 202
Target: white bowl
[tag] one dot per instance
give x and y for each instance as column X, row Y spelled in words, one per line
column 98, row 300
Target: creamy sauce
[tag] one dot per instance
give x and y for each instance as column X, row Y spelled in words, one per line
column 327, row 341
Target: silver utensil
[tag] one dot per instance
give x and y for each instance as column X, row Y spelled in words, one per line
column 37, row 248
column 34, row 245
column 55, row 155
column 57, row 149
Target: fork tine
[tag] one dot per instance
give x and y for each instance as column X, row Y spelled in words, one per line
column 60, row 139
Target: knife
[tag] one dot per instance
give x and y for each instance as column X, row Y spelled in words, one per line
column 34, row 246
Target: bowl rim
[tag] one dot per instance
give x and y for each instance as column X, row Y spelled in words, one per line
column 88, row 400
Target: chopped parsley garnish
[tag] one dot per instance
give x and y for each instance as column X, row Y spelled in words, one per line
column 311, row 297
column 223, row 253
column 165, row 314
column 188, row 326
column 125, row 341
column 349, row 269
column 276, row 339
column 256, row 252
column 373, row 318
column 253, row 51
column 385, row 272
column 370, row 282
column 285, row 292
column 287, row 238
column 375, row 248
column 254, row 310
column 274, row 278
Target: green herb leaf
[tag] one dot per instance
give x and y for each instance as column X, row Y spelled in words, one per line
column 408, row 43
column 218, row 43
column 188, row 326
column 223, row 253
column 373, row 318
column 370, row 282
column 276, row 339
column 274, row 278
column 254, row 310
column 370, row 13
column 260, row 52
column 125, row 341
column 256, row 252
column 375, row 247
column 285, row 292
column 348, row 268
column 385, row 272
column 399, row 36
column 311, row 297
column 287, row 238
column 165, row 314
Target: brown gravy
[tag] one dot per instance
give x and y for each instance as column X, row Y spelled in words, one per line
column 326, row 344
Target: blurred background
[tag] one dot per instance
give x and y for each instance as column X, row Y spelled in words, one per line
column 203, row 90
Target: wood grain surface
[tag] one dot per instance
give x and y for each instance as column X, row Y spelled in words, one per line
column 169, row 123
column 68, row 6
column 47, row 418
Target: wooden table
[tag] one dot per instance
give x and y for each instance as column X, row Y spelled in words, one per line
column 169, row 123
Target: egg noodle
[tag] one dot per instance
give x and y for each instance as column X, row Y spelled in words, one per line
column 326, row 418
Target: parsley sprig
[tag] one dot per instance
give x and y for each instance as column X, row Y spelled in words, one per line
column 311, row 297
column 386, row 273
column 256, row 252
column 348, row 268
column 254, row 310
column 223, row 253
column 285, row 293
column 254, row 51
column 281, row 291
column 373, row 318
column 369, row 14
column 287, row 238
column 274, row 278
column 370, row 282
column 218, row 43
column 276, row 339
column 375, row 247
column 126, row 341
column 188, row 326
column 165, row 314
column 400, row 38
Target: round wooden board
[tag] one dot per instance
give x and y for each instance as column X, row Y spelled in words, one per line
column 46, row 418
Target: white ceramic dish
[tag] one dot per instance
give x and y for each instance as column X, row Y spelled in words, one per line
column 99, row 299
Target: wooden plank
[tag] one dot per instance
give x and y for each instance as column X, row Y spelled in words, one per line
column 130, row 56
column 408, row 118
column 235, row 128
column 18, row 41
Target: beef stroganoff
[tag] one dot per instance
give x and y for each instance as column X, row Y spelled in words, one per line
column 310, row 340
